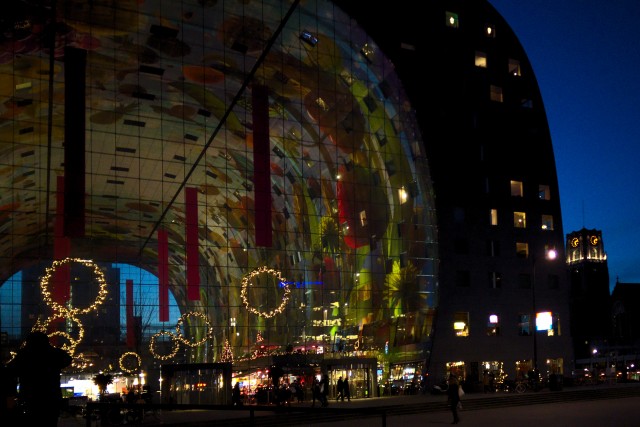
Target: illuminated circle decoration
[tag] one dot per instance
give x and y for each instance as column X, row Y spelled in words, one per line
column 69, row 347
column 179, row 335
column 575, row 242
column 46, row 295
column 174, row 350
column 246, row 283
column 126, row 356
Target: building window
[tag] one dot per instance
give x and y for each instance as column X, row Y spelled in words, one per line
column 514, row 67
column 543, row 192
column 524, row 281
column 452, row 20
column 526, row 103
column 481, row 59
column 490, row 31
column 516, row 189
column 548, row 322
column 522, row 250
column 493, row 248
column 493, row 217
column 547, row 222
column 520, row 220
column 463, row 278
column 524, row 325
column 495, row 93
column 461, row 323
column 495, row 280
column 493, row 326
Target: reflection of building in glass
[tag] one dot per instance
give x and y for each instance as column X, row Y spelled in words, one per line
column 275, row 165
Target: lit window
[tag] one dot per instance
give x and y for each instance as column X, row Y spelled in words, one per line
column 514, row 67
column 490, row 31
column 543, row 192
column 481, row 59
column 520, row 220
column 496, row 93
column 523, row 325
column 522, row 250
column 516, row 188
column 493, row 217
column 461, row 323
column 452, row 20
column 493, row 326
column 547, row 222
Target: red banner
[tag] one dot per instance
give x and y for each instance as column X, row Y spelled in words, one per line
column 163, row 276
column 192, row 252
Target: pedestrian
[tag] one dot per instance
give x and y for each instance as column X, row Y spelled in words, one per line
column 453, row 397
column 339, row 390
column 324, row 390
column 236, row 395
column 37, row 366
column 345, row 389
column 315, row 392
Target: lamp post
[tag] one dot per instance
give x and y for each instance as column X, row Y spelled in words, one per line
column 549, row 255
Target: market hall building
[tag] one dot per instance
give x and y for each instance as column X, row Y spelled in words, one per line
column 312, row 187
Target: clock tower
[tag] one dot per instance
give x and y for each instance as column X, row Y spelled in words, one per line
column 589, row 279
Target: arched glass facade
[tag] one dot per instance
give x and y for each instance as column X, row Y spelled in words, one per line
column 260, row 158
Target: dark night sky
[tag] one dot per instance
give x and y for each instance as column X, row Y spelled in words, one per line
column 586, row 57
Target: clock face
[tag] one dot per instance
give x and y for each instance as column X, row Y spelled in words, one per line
column 574, row 242
column 594, row 240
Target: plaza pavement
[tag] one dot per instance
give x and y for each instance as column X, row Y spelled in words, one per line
column 601, row 406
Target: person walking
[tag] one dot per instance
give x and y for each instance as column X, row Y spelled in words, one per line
column 339, row 390
column 37, row 366
column 315, row 392
column 324, row 390
column 236, row 395
column 345, row 390
column 453, row 397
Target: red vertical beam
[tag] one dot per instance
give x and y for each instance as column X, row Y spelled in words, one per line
column 131, row 330
column 163, row 276
column 192, row 252
column 261, row 167
column 61, row 278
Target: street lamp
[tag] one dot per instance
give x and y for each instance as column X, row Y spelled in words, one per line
column 549, row 255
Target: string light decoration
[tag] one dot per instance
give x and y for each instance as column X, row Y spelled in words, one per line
column 181, row 337
column 227, row 354
column 246, row 282
column 174, row 350
column 70, row 346
column 71, row 311
column 125, row 358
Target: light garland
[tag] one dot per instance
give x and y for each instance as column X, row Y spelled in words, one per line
column 46, row 294
column 175, row 341
column 69, row 347
column 246, row 283
column 186, row 342
column 128, row 355
column 227, row 353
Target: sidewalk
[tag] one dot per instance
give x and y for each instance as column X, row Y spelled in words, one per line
column 404, row 411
